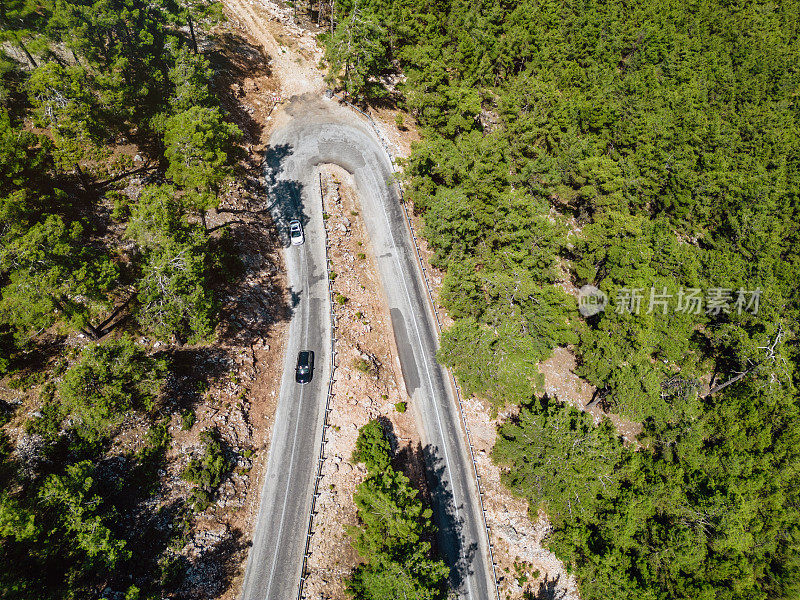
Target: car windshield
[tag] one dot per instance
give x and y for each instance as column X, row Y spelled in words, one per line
column 295, row 232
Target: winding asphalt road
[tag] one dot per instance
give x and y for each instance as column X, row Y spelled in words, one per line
column 319, row 132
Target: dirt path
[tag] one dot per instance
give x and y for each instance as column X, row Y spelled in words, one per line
column 293, row 57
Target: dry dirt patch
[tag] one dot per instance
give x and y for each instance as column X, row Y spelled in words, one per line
column 293, row 50
column 561, row 381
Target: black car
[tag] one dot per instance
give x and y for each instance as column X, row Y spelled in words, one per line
column 305, row 367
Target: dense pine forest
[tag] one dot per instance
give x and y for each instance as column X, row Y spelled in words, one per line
column 651, row 150
column 95, row 95
column 645, row 153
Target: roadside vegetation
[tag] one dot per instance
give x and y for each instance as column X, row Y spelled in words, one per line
column 96, row 274
column 630, row 146
column 394, row 532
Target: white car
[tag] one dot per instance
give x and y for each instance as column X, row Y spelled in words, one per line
column 296, row 233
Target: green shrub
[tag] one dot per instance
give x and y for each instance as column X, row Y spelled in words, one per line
column 172, row 570
column 372, row 447
column 393, row 526
column 51, row 414
column 214, row 13
column 224, row 260
column 144, row 478
column 188, row 419
column 120, row 205
column 364, row 366
column 158, row 435
column 27, row 381
column 109, row 379
column 60, row 366
column 208, row 471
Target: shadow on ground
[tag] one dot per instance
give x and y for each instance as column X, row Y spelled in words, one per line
column 548, row 590
column 214, row 569
column 235, row 59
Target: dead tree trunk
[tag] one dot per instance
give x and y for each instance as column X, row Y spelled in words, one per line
column 27, row 54
column 770, row 356
column 191, row 31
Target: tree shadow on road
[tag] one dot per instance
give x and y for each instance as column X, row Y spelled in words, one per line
column 426, row 469
column 284, row 196
column 458, row 553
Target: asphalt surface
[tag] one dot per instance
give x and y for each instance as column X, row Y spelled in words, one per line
column 276, row 556
column 318, row 132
